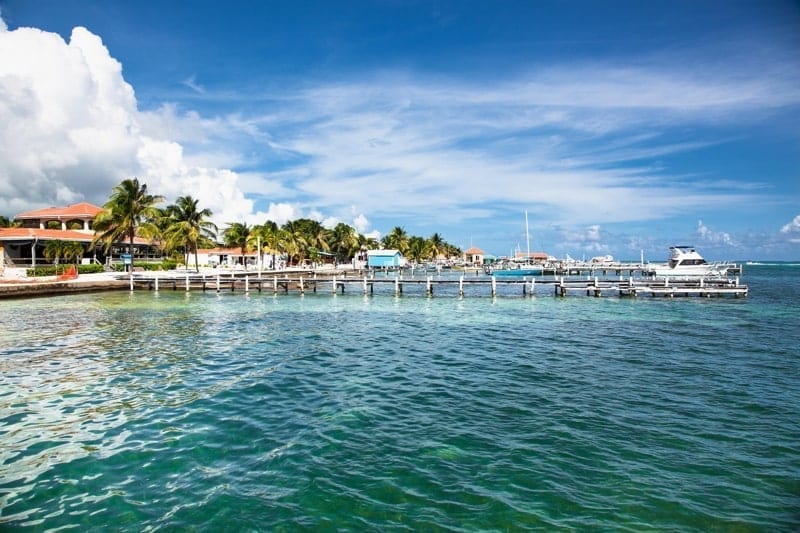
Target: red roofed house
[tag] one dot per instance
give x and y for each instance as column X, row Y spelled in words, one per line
column 474, row 256
column 73, row 217
column 24, row 246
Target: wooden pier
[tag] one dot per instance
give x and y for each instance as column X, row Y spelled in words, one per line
column 462, row 286
column 652, row 287
column 600, row 269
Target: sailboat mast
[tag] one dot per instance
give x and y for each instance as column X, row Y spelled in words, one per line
column 527, row 237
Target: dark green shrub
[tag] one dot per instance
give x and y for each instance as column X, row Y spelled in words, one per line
column 90, row 269
column 50, row 270
column 43, row 271
column 163, row 265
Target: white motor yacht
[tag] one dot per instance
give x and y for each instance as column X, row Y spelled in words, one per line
column 686, row 261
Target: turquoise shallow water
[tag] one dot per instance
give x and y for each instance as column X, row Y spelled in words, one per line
column 203, row 411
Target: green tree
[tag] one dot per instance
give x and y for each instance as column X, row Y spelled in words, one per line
column 397, row 239
column 156, row 228
column 129, row 208
column 237, row 235
column 368, row 243
column 452, row 251
column 436, row 246
column 293, row 239
column 73, row 251
column 416, row 248
column 316, row 237
column 54, row 251
column 188, row 226
column 269, row 233
column 343, row 241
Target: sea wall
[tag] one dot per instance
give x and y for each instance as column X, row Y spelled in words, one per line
column 32, row 289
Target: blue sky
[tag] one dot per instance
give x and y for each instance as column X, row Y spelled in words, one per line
column 618, row 126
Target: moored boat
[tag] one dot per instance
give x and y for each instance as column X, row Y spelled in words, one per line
column 521, row 270
column 686, row 261
column 514, row 268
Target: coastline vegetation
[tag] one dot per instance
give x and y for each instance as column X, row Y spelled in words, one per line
column 180, row 229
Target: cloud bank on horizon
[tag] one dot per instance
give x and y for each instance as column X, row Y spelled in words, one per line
column 592, row 149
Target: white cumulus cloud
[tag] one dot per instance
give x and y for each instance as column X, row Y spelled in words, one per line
column 72, row 130
column 361, row 223
column 792, row 229
column 590, row 239
column 706, row 234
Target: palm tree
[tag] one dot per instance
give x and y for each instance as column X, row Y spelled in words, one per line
column 397, row 239
column 236, row 235
column 287, row 244
column 317, row 238
column 156, row 227
column 188, row 225
column 416, row 248
column 269, row 233
column 294, row 240
column 436, row 245
column 367, row 243
column 54, row 250
column 73, row 251
column 129, row 208
column 452, row 250
column 343, row 240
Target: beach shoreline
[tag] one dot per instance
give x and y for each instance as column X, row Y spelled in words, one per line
column 26, row 288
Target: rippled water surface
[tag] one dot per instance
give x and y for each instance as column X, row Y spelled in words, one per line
column 151, row 411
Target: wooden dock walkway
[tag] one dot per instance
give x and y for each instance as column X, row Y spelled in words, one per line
column 653, row 287
column 462, row 286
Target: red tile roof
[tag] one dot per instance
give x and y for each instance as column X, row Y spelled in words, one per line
column 21, row 234
column 474, row 251
column 80, row 211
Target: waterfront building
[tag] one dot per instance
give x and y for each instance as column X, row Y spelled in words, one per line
column 223, row 257
column 23, row 246
column 474, row 256
column 388, row 258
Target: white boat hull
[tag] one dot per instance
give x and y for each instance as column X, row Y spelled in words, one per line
column 692, row 271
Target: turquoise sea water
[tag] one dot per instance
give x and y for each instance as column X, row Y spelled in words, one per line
column 170, row 411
